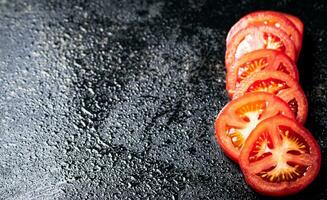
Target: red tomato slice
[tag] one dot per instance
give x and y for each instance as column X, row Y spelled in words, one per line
column 296, row 21
column 270, row 18
column 280, row 157
column 280, row 84
column 264, row 59
column 240, row 116
column 258, row 37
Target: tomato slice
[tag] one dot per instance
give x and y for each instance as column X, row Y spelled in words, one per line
column 270, row 18
column 280, row 84
column 296, row 21
column 280, row 157
column 258, row 37
column 263, row 59
column 240, row 116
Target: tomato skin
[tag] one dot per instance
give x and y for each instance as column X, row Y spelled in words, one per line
column 270, row 18
column 239, row 45
column 227, row 117
column 297, row 22
column 284, row 188
column 294, row 90
column 272, row 61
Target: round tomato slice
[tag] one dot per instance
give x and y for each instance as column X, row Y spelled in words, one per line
column 258, row 37
column 280, row 157
column 240, row 116
column 263, row 59
column 280, row 84
column 296, row 21
column 269, row 18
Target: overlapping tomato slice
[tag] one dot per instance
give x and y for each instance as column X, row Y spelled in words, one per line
column 240, row 116
column 263, row 59
column 280, row 157
column 258, row 37
column 280, row 84
column 269, row 18
column 261, row 128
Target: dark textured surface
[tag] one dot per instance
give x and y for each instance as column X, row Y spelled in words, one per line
column 116, row 99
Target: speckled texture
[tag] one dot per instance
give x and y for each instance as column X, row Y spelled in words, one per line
column 116, row 99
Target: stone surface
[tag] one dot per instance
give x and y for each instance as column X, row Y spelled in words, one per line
column 116, row 99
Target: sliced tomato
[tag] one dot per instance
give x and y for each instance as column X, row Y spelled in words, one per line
column 258, row 37
column 263, row 59
column 296, row 21
column 240, row 116
column 280, row 84
column 269, row 18
column 280, row 157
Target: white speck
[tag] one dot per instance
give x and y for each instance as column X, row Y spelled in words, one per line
column 86, row 111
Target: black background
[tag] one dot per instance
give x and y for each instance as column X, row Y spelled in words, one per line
column 116, row 99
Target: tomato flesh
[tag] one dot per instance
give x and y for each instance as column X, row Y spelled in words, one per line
column 240, row 116
column 263, row 59
column 285, row 23
column 271, row 85
column 280, row 84
column 255, row 38
column 280, row 157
